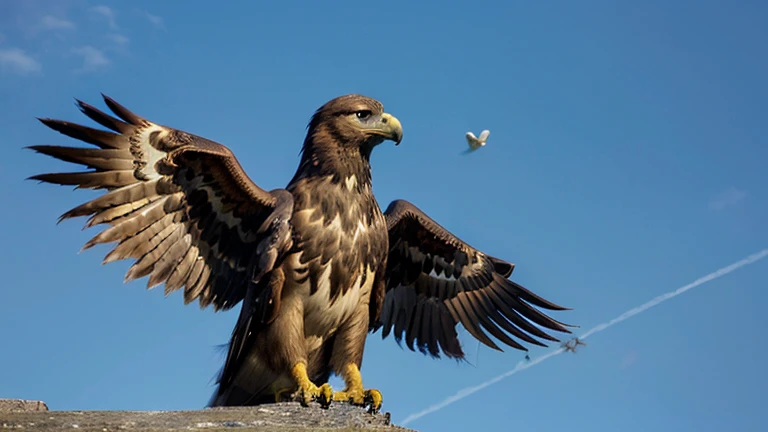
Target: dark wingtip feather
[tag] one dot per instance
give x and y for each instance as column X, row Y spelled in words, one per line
column 102, row 118
column 87, row 246
column 530, row 297
column 42, row 178
column 66, row 154
column 461, row 360
column 62, row 218
column 121, row 111
column 83, row 106
column 48, row 122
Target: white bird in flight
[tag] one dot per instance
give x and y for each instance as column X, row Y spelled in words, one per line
column 476, row 142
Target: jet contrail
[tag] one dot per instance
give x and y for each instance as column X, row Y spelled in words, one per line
column 461, row 394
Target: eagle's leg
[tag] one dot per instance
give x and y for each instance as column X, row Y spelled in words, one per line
column 355, row 393
column 347, row 357
column 308, row 391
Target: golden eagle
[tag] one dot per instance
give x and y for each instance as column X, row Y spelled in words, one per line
column 317, row 265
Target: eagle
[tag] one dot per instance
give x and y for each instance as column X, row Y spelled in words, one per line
column 316, row 266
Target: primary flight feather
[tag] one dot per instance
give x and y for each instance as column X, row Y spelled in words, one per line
column 316, row 265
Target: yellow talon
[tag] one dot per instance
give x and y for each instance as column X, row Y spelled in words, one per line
column 355, row 394
column 373, row 399
column 308, row 391
column 325, row 395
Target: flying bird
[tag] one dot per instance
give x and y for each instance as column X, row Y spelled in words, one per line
column 572, row 344
column 477, row 142
column 316, row 266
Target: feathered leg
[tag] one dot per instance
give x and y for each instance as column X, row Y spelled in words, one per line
column 286, row 347
column 347, row 359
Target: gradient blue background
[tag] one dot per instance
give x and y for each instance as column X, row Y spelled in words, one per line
column 627, row 158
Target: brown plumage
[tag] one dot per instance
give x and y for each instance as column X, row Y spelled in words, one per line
column 317, row 265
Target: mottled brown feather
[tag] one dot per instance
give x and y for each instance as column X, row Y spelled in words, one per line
column 170, row 197
column 427, row 265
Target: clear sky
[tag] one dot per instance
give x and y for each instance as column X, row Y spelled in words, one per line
column 627, row 158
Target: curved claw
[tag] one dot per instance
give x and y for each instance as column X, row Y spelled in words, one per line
column 365, row 398
column 373, row 400
column 312, row 393
column 308, row 391
column 325, row 395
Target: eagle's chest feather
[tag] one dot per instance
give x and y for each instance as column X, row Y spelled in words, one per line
column 340, row 239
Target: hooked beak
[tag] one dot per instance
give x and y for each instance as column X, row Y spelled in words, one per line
column 388, row 127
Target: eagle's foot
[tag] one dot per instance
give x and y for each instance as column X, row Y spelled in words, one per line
column 312, row 393
column 355, row 394
column 308, row 391
column 371, row 398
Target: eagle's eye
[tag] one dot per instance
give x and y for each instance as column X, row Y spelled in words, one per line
column 363, row 114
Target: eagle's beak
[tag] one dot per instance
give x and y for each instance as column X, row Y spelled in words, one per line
column 389, row 127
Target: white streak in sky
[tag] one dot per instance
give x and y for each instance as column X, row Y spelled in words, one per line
column 522, row 365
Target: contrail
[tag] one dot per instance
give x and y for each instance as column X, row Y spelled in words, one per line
column 461, row 394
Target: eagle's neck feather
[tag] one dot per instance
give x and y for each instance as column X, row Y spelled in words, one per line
column 347, row 164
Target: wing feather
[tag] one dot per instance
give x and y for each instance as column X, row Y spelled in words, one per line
column 178, row 204
column 484, row 135
column 435, row 281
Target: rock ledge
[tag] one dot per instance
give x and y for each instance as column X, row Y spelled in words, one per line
column 283, row 417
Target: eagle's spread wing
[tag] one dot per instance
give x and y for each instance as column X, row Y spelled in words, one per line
column 435, row 281
column 179, row 204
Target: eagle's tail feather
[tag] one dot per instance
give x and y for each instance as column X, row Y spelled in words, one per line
column 252, row 386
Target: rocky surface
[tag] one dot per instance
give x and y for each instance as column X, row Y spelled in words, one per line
column 283, row 417
column 14, row 405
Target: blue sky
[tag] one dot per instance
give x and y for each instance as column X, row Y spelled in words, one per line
column 627, row 158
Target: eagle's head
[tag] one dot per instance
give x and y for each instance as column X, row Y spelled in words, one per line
column 354, row 122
